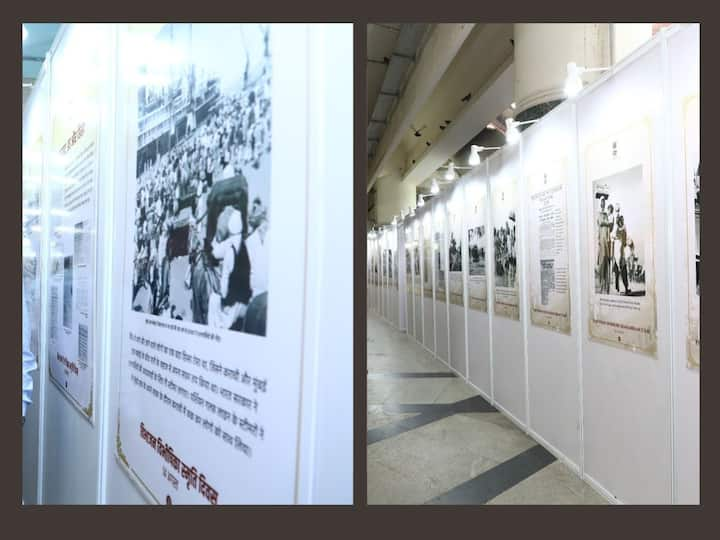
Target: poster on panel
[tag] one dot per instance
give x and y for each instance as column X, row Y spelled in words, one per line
column 454, row 248
column 438, row 246
column 622, row 289
column 691, row 128
column 504, row 219
column 427, row 254
column 416, row 258
column 210, row 380
column 75, row 109
column 476, row 208
column 548, row 239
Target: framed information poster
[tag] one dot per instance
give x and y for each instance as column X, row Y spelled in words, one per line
column 620, row 213
column 505, row 248
column 212, row 333
column 548, row 238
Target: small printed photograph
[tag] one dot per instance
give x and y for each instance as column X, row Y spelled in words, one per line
column 621, row 234
column 416, row 255
column 67, row 307
column 476, row 251
column 455, row 253
column 505, row 253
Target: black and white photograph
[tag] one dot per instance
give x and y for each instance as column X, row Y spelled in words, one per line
column 390, row 264
column 476, row 251
column 455, row 253
column 416, row 255
column 408, row 262
column 203, row 177
column 505, row 252
column 620, row 232
column 439, row 263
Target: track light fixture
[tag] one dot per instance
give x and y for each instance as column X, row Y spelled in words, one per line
column 450, row 174
column 434, row 187
column 573, row 81
column 474, row 159
column 512, row 134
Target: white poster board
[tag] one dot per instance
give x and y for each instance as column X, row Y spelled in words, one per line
column 75, row 113
column 505, row 235
column 691, row 155
column 620, row 211
column 549, row 265
column 210, row 380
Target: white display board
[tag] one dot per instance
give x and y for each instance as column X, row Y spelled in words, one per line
column 478, row 268
column 428, row 316
column 508, row 343
column 626, row 382
column 179, row 384
column 439, row 269
column 684, row 76
column 553, row 334
column 456, row 278
column 420, row 270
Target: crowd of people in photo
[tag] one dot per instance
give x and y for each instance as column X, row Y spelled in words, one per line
column 616, row 251
column 505, row 255
column 194, row 200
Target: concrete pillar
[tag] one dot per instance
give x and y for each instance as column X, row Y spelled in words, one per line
column 542, row 51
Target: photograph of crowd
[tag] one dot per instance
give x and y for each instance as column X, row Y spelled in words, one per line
column 439, row 263
column 620, row 229
column 203, row 178
column 416, row 255
column 455, row 253
column 408, row 262
column 476, row 251
column 505, row 253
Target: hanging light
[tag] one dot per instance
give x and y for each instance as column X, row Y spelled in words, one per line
column 450, row 174
column 512, row 135
column 573, row 81
column 421, row 201
column 434, row 187
column 475, row 150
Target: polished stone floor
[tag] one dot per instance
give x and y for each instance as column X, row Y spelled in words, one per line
column 432, row 439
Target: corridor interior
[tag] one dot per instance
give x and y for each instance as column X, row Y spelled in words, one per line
column 433, row 439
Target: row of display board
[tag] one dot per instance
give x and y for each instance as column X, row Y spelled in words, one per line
column 547, row 276
column 158, row 219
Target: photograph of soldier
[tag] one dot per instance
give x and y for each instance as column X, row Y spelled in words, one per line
column 505, row 254
column 203, row 180
column 476, row 243
column 619, row 267
column 455, row 253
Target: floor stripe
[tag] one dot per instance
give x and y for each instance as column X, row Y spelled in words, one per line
column 499, row 479
column 427, row 413
column 411, row 375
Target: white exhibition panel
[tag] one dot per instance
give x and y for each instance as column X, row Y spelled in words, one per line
column 549, row 153
column 508, row 343
column 626, row 394
column 439, row 269
column 313, row 463
column 34, row 227
column 478, row 320
column 684, row 77
column 456, row 280
column 419, row 276
column 427, row 315
column 408, row 289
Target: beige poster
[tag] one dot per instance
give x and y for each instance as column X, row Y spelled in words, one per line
column 475, row 213
column 622, row 285
column 549, row 271
column 427, row 255
column 692, row 175
column 454, row 247
column 505, row 248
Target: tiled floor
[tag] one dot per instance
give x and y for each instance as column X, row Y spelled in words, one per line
column 433, row 439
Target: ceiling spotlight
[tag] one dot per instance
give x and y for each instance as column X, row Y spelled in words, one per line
column 421, row 201
column 490, row 126
column 573, row 81
column 512, row 135
column 434, row 187
column 513, row 105
column 450, row 174
column 412, row 212
column 475, row 150
column 24, row 33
